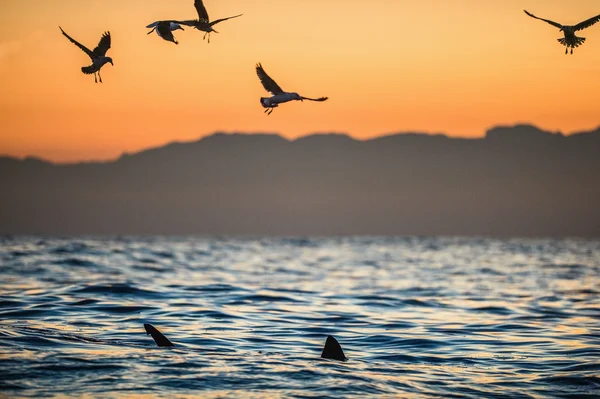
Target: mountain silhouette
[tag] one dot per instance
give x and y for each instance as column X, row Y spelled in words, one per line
column 516, row 181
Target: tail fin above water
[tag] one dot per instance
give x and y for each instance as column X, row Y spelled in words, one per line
column 333, row 350
column 160, row 339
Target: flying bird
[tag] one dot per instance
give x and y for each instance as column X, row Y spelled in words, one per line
column 164, row 29
column 203, row 22
column 570, row 39
column 279, row 96
column 98, row 56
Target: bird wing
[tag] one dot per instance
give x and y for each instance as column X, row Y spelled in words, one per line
column 224, row 19
column 587, row 23
column 103, row 45
column 75, row 42
column 156, row 23
column 268, row 83
column 164, row 29
column 202, row 13
column 545, row 20
column 190, row 22
column 315, row 99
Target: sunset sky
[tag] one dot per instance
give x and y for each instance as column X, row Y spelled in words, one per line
column 457, row 67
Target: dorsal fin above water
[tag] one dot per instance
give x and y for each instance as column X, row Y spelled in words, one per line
column 160, row 339
column 333, row 350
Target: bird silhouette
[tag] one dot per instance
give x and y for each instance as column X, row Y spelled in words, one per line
column 570, row 40
column 98, row 56
column 164, row 29
column 279, row 96
column 203, row 22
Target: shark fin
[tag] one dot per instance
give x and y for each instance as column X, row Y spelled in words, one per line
column 160, row 339
column 333, row 350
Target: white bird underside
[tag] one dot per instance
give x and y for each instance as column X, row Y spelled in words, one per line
column 164, row 29
column 274, row 101
column 172, row 25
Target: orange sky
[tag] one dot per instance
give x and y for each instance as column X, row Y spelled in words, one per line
column 456, row 66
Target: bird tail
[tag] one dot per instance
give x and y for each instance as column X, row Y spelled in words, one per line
column 315, row 99
column 578, row 41
column 88, row 70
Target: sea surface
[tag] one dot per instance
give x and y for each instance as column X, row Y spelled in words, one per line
column 417, row 317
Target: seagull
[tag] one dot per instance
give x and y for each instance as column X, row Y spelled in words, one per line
column 98, row 56
column 165, row 29
column 279, row 96
column 203, row 22
column 570, row 40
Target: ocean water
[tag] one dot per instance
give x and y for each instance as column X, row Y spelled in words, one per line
column 417, row 317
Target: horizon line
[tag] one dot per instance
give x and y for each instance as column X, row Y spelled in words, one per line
column 292, row 140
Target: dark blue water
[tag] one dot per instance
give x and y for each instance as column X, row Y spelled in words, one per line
column 417, row 317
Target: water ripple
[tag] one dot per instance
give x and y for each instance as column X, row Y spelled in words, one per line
column 418, row 317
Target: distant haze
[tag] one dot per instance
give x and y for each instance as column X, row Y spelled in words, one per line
column 517, row 181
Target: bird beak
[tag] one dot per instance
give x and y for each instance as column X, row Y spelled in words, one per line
column 111, row 63
column 181, row 27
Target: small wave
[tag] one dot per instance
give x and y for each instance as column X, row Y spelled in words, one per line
column 491, row 272
column 119, row 309
column 164, row 254
column 6, row 386
column 583, row 367
column 562, row 266
column 498, row 310
column 148, row 268
column 423, row 303
column 586, row 292
column 375, row 298
column 572, row 381
column 25, row 313
column 396, row 358
column 268, row 298
column 514, row 327
column 83, row 302
column 11, row 304
column 20, row 254
column 212, row 314
column 147, row 261
column 78, row 368
column 71, row 248
column 567, row 271
column 211, row 288
column 300, row 242
column 114, row 289
column 550, row 313
column 293, row 291
column 398, row 325
column 78, row 262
